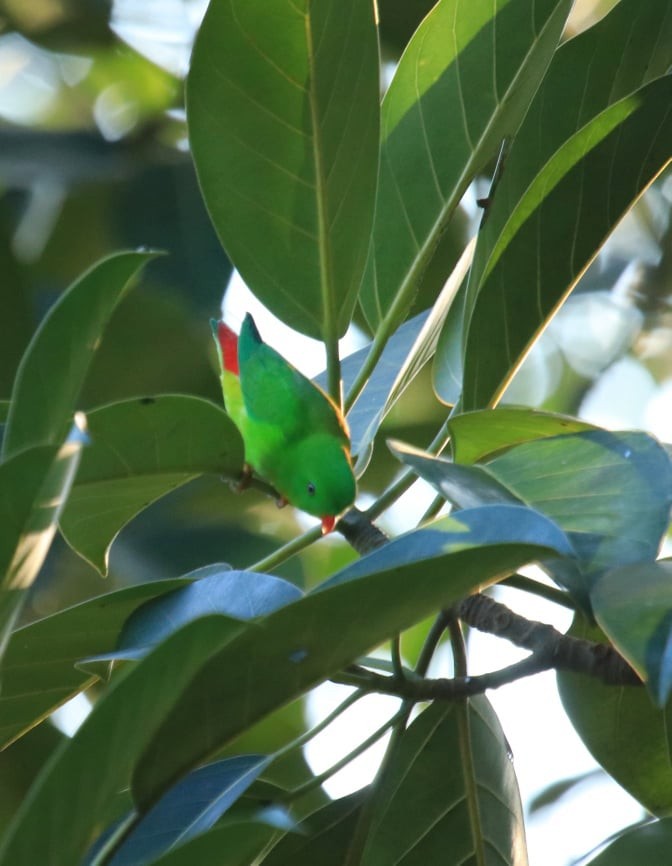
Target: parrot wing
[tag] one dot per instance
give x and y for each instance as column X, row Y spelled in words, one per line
column 275, row 393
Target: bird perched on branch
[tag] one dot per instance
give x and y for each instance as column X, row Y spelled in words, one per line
column 295, row 437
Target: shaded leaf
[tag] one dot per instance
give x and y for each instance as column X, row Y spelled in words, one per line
column 141, row 450
column 463, row 486
column 633, row 606
column 55, row 363
column 238, row 594
column 60, row 817
column 324, row 837
column 477, row 435
column 648, row 843
column 304, row 642
column 189, row 809
column 449, row 794
column 622, row 729
column 463, row 83
column 38, row 670
column 625, row 49
column 282, row 102
column 233, row 843
column 557, row 228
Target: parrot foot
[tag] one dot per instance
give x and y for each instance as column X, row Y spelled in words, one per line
column 281, row 501
column 244, row 481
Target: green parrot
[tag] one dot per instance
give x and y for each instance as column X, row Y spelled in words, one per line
column 295, row 437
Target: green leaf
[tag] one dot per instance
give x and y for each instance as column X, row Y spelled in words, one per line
column 324, row 837
column 633, row 606
column 463, row 486
column 625, row 49
column 189, row 809
column 557, row 228
column 282, row 104
column 34, row 486
column 609, row 491
column 449, row 793
column 649, row 843
column 304, row 642
column 238, row 594
column 55, row 364
column 4, row 410
column 141, row 450
column 463, row 83
column 38, row 671
column 622, row 729
column 65, row 808
column 477, row 435
column 233, row 843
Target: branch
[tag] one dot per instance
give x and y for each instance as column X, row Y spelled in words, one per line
column 562, row 651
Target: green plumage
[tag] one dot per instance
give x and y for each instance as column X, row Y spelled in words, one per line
column 294, row 436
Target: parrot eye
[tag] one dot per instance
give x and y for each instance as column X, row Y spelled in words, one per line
column 311, row 488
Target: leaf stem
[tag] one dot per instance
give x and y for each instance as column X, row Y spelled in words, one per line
column 320, row 726
column 527, row 584
column 316, row 781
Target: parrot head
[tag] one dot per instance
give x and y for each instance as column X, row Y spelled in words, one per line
column 319, row 478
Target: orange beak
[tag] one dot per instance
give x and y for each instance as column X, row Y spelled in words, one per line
column 328, row 524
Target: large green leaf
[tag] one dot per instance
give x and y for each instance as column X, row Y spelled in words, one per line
column 622, row 729
column 72, row 799
column 34, row 486
column 299, row 645
column 627, row 48
column 55, row 364
column 449, row 795
column 141, row 450
column 477, row 435
column 648, row 843
column 633, row 606
column 611, row 492
column 38, row 670
column 189, row 809
column 556, row 230
column 282, row 104
column 463, row 84
column 232, row 843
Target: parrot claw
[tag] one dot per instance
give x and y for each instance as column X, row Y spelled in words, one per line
column 243, row 481
column 281, row 501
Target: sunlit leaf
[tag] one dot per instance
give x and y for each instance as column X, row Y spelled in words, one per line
column 55, row 364
column 477, row 435
column 140, row 450
column 449, row 795
column 557, row 228
column 622, row 729
column 34, row 486
column 282, row 104
column 633, row 606
column 302, row 643
column 462, row 84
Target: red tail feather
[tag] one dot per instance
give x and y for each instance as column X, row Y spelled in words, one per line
column 228, row 341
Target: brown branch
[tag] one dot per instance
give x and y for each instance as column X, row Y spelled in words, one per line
column 549, row 647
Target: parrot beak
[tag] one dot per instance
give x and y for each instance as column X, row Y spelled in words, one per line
column 328, row 524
